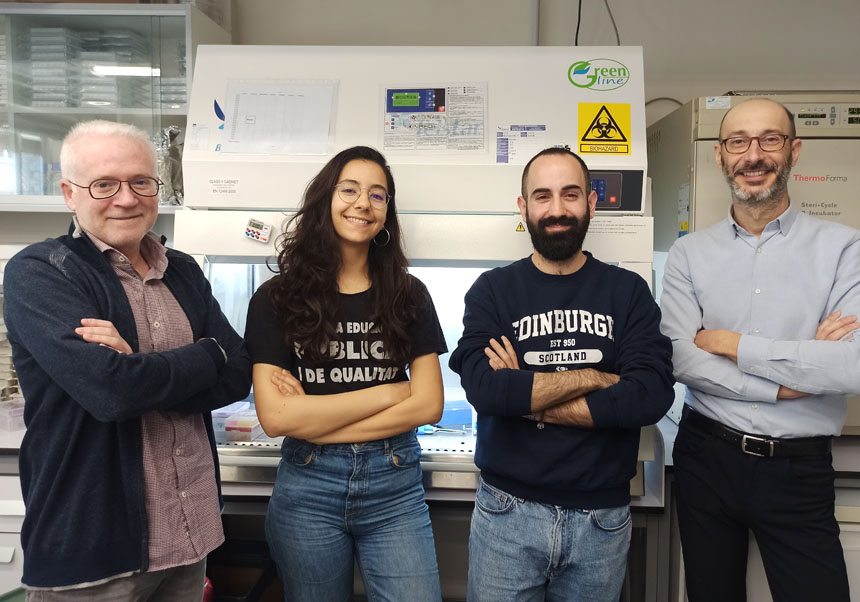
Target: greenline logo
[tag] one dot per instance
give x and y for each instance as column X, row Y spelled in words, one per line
column 598, row 74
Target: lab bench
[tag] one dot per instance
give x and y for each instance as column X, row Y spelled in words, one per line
column 450, row 476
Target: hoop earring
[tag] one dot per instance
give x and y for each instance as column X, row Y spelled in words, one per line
column 387, row 239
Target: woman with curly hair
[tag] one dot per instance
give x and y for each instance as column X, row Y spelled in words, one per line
column 331, row 336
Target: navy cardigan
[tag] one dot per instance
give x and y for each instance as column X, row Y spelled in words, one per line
column 81, row 459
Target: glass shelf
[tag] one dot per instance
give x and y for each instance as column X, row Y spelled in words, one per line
column 61, row 64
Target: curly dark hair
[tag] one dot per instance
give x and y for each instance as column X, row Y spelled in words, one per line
column 305, row 294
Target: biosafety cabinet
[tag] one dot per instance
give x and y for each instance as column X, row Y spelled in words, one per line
column 457, row 125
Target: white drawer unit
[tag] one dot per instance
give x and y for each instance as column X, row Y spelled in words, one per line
column 11, row 518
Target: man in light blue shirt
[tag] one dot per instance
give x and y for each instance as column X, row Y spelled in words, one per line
column 761, row 312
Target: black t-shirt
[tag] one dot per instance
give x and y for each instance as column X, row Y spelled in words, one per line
column 357, row 352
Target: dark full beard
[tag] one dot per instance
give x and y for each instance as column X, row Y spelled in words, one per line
column 771, row 194
column 560, row 246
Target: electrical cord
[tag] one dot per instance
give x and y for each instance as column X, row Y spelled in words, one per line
column 669, row 98
column 611, row 18
column 614, row 26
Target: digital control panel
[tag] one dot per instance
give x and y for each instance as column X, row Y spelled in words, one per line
column 618, row 190
column 825, row 116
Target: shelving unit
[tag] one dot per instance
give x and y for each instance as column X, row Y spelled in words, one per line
column 62, row 63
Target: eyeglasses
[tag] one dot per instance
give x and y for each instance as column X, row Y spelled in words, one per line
column 737, row 145
column 349, row 191
column 104, row 189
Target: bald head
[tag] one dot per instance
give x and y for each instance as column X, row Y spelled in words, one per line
column 758, row 106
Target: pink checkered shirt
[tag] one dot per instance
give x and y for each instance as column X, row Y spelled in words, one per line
column 181, row 495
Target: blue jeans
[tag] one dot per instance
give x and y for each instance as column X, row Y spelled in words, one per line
column 522, row 551
column 338, row 503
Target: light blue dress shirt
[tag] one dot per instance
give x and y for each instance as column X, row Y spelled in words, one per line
column 774, row 290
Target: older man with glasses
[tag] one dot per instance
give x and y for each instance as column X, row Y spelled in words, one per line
column 752, row 306
column 121, row 352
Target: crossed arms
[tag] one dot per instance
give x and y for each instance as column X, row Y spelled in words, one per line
column 557, row 397
column 364, row 415
column 743, row 367
column 638, row 394
column 50, row 308
column 834, row 327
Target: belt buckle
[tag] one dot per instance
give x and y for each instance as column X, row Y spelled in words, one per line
column 747, row 438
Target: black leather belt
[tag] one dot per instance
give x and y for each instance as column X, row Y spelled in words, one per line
column 759, row 445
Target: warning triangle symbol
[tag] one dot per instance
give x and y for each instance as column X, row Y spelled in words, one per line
column 604, row 128
column 520, row 228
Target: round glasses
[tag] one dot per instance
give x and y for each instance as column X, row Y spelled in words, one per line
column 737, row 145
column 349, row 191
column 104, row 189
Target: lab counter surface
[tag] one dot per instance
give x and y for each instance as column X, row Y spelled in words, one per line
column 249, row 469
column 450, row 479
column 447, row 460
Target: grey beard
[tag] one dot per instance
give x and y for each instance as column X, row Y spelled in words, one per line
column 768, row 195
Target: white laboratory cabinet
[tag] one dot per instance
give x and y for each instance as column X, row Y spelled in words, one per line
column 11, row 518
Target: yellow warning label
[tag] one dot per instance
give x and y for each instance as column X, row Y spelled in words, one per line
column 604, row 128
column 520, row 228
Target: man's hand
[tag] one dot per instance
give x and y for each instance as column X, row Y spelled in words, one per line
column 573, row 412
column 719, row 342
column 785, row 393
column 104, row 333
column 287, row 383
column 502, row 355
column 836, row 327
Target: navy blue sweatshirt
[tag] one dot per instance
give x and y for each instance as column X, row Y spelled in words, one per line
column 600, row 317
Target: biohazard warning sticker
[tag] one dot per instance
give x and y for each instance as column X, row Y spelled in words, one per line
column 604, row 128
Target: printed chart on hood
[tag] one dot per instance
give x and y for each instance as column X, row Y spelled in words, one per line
column 281, row 118
column 518, row 143
column 435, row 118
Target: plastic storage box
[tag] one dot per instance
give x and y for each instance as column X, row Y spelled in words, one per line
column 12, row 414
column 243, row 426
column 220, row 416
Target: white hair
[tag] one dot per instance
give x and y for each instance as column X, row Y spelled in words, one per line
column 98, row 127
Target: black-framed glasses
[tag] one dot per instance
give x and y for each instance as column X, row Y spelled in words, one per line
column 737, row 145
column 104, row 189
column 349, row 191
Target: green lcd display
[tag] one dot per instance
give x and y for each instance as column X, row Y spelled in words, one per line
column 405, row 99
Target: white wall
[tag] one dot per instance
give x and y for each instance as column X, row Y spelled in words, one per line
column 692, row 47
column 386, row 22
